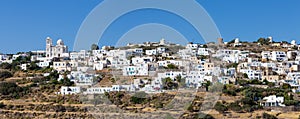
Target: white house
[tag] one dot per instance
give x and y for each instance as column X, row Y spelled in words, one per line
column 255, row 64
column 272, row 100
column 64, row 65
column 232, row 58
column 137, row 70
column 192, row 46
column 252, row 74
column 244, row 54
column 99, row 52
column 119, row 58
column 14, row 57
column 293, row 77
column 171, row 75
column 196, row 78
column 82, row 79
column 268, row 64
column 141, row 60
column 230, row 55
column 165, row 63
column 24, row 66
column 38, row 55
column 120, row 54
column 97, row 90
column 278, row 56
column 265, row 55
column 102, row 90
column 68, row 90
column 187, row 53
column 3, row 57
column 229, row 72
column 82, row 54
column 99, row 65
column 137, row 51
column 118, row 63
column 161, row 50
column 43, row 64
column 203, row 51
column 151, row 52
column 224, row 79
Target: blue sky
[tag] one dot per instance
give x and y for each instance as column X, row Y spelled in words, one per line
column 24, row 25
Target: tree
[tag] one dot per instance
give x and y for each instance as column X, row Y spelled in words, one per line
column 5, row 65
column 2, row 105
column 220, row 107
column 232, row 41
column 12, row 90
column 206, row 85
column 263, row 41
column 94, row 47
column 234, row 65
column 235, row 107
column 66, row 81
column 168, row 83
column 33, row 66
column 54, row 75
column 23, row 59
column 172, row 66
column 180, row 80
column 255, row 81
column 245, row 75
column 268, row 116
column 139, row 98
column 202, row 57
column 286, row 86
column 247, row 100
column 242, row 82
column 5, row 74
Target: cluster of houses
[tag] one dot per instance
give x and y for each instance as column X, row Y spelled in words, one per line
column 147, row 65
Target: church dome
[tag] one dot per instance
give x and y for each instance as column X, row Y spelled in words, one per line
column 294, row 42
column 60, row 42
column 237, row 40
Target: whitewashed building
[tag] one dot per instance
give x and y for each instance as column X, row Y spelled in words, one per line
column 203, row 51
column 252, row 74
column 278, row 56
column 99, row 65
column 69, row 90
column 141, row 60
column 137, row 70
column 102, row 90
column 55, row 50
column 24, row 66
column 62, row 66
column 196, row 78
column 151, row 52
column 165, row 63
column 293, row 77
column 272, row 101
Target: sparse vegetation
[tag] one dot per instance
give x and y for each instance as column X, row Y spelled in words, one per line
column 5, row 74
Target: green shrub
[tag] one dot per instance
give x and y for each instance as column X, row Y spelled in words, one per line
column 235, row 107
column 220, row 107
column 5, row 74
column 268, row 116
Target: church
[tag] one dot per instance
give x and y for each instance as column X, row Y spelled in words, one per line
column 57, row 50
